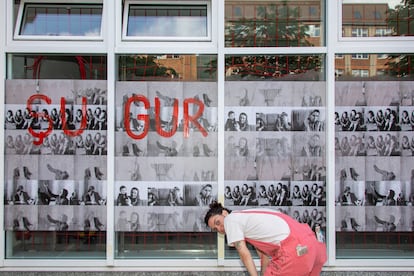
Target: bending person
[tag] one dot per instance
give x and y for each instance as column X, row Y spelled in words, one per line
column 285, row 246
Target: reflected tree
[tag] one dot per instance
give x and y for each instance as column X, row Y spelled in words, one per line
column 143, row 66
column 401, row 21
column 273, row 26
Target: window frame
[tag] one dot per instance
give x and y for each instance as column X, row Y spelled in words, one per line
column 25, row 3
column 129, row 3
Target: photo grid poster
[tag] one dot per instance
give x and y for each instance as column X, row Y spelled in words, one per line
column 275, row 148
column 165, row 155
column 374, row 151
column 55, row 155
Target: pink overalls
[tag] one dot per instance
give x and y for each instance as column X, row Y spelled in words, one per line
column 301, row 241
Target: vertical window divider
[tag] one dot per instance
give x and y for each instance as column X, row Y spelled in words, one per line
column 332, row 27
column 3, row 57
column 220, row 90
column 110, row 6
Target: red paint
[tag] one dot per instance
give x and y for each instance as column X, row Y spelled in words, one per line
column 42, row 134
column 76, row 132
column 174, row 122
column 141, row 117
column 194, row 118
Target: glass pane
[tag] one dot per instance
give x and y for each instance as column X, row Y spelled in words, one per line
column 275, row 136
column 55, row 164
column 167, row 21
column 384, row 18
column 274, row 68
column 58, row 67
column 166, row 156
column 168, row 67
column 374, row 140
column 62, row 20
column 55, row 159
column 275, row 24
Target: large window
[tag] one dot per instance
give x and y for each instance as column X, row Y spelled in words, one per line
column 166, row 156
column 55, row 156
column 274, row 24
column 374, row 139
column 275, row 136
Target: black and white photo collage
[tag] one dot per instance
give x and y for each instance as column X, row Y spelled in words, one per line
column 165, row 155
column 374, row 153
column 55, row 155
column 275, row 148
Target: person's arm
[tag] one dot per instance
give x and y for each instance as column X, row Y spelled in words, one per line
column 264, row 261
column 246, row 257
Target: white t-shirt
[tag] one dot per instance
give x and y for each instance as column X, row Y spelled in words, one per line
column 256, row 226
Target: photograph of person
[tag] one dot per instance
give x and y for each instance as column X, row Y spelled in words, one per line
column 94, row 195
column 350, row 193
column 240, row 119
column 240, row 155
column 351, row 144
column 382, row 169
column 54, row 220
column 127, row 220
column 267, row 120
column 199, row 194
column 167, row 194
column 384, row 218
column 308, row 144
column 308, row 119
column 128, row 193
column 383, row 193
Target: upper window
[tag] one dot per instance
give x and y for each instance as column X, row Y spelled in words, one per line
column 166, row 21
column 59, row 21
column 288, row 23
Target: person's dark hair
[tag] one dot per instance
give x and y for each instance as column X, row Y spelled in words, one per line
column 215, row 209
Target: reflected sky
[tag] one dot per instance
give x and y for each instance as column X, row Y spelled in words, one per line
column 183, row 26
column 391, row 3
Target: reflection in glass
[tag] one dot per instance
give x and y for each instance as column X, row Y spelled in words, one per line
column 58, row 67
column 167, row 21
column 275, row 24
column 374, row 67
column 275, row 67
column 388, row 18
column 62, row 20
column 168, row 67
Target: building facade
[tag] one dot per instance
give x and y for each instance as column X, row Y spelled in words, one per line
column 124, row 120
